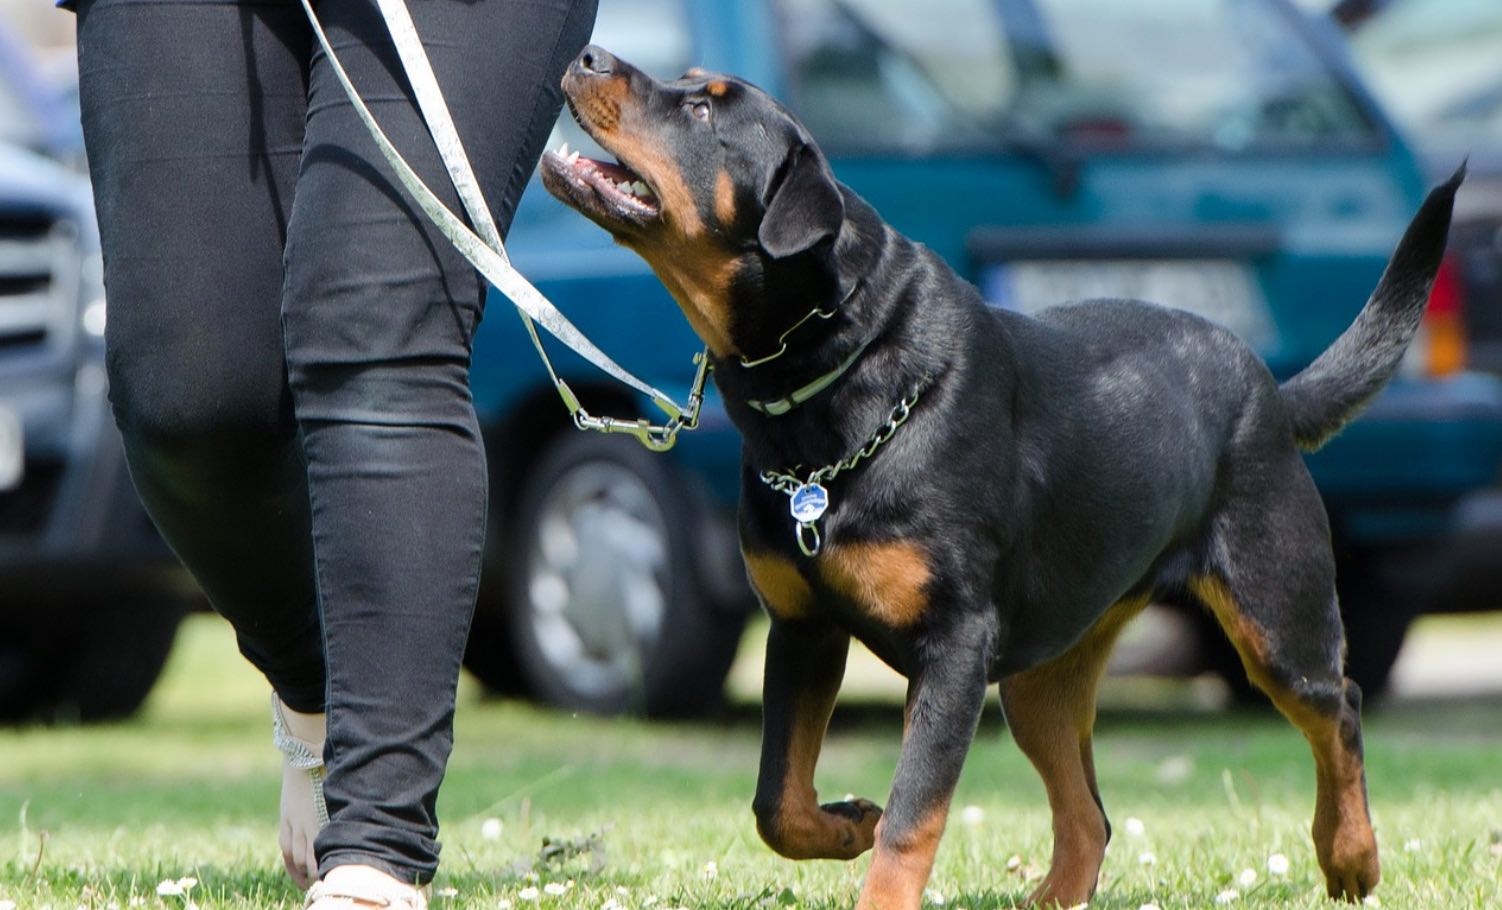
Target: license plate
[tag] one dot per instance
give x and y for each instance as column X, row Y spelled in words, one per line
column 12, row 452
column 1222, row 291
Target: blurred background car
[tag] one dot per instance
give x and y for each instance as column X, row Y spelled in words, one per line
column 1436, row 65
column 89, row 598
column 1221, row 156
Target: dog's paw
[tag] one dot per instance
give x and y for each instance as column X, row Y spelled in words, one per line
column 857, row 820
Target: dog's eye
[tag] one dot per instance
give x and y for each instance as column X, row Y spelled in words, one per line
column 700, row 110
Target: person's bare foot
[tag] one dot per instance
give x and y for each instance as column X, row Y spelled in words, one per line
column 300, row 738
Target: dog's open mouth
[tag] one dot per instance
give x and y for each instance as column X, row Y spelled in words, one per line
column 601, row 188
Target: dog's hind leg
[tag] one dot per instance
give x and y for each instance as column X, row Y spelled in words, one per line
column 1272, row 588
column 1050, row 710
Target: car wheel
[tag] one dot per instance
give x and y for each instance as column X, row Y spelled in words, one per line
column 608, row 611
column 84, row 654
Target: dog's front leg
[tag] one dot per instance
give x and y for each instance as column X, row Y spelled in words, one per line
column 805, row 665
column 944, row 702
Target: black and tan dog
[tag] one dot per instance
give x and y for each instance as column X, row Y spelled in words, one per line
column 1052, row 476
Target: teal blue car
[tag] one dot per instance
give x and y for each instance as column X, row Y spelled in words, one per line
column 1218, row 156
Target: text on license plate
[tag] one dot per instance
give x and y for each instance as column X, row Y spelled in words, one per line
column 1222, row 291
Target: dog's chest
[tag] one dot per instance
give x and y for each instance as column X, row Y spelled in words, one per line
column 883, row 581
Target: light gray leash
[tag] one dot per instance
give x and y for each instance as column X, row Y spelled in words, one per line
column 486, row 251
column 808, row 499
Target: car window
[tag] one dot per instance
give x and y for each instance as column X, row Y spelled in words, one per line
column 911, row 76
column 651, row 34
column 956, row 74
column 1438, row 65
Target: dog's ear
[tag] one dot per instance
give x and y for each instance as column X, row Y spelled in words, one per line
column 803, row 204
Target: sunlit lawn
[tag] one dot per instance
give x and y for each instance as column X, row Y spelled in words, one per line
column 99, row 817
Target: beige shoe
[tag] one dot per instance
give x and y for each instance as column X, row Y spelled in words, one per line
column 363, row 887
column 303, row 813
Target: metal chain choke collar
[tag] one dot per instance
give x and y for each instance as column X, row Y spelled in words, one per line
column 808, row 499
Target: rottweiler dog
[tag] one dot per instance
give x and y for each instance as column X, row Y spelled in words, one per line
column 978, row 496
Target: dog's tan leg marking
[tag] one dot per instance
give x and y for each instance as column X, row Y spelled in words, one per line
column 800, row 829
column 1343, row 838
column 899, row 871
column 783, row 591
column 1050, row 710
column 887, row 580
column 805, row 663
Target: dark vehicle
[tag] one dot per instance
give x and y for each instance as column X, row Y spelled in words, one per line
column 1437, row 66
column 1220, row 157
column 88, row 602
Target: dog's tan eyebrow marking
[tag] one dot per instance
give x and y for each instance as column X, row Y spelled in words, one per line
column 717, row 89
column 886, row 579
column 696, row 72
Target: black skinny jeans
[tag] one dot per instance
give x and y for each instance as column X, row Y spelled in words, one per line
column 288, row 349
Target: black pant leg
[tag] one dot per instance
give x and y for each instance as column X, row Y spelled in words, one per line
column 193, row 114
column 378, row 315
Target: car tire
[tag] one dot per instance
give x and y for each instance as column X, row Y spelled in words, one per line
column 85, row 654
column 608, row 609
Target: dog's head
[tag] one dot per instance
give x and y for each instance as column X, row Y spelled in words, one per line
column 715, row 184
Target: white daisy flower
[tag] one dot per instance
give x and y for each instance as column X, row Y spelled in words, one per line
column 1146, row 858
column 555, row 888
column 1247, row 878
column 1230, row 895
column 1014, row 862
column 528, row 893
column 1413, row 845
column 1277, row 864
column 1135, row 827
column 168, row 887
column 711, row 870
column 1149, row 907
column 447, row 892
column 1175, row 769
column 7, row 905
column 934, row 896
column 1371, row 901
column 503, row 904
column 972, row 815
column 491, row 828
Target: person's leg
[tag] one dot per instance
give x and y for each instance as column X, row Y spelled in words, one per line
column 193, row 117
column 378, row 314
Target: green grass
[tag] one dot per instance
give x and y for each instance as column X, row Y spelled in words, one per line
column 98, row 817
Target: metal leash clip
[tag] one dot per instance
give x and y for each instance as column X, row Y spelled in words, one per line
column 657, row 437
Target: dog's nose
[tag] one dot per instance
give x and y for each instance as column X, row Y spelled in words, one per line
column 595, row 61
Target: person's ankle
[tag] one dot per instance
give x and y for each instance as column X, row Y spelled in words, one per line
column 310, row 728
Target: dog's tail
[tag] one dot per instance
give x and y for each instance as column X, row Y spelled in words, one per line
column 1333, row 389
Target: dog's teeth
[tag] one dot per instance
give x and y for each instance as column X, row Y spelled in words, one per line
column 563, row 151
column 573, row 157
column 641, row 189
column 625, row 187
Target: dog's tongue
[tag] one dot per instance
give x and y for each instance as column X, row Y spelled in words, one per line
column 611, row 170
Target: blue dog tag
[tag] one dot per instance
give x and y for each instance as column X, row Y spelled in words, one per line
column 809, row 503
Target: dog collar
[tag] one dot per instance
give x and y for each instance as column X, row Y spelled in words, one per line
column 782, row 340
column 808, row 498
column 803, row 393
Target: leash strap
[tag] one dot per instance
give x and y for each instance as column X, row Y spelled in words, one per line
column 488, row 254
